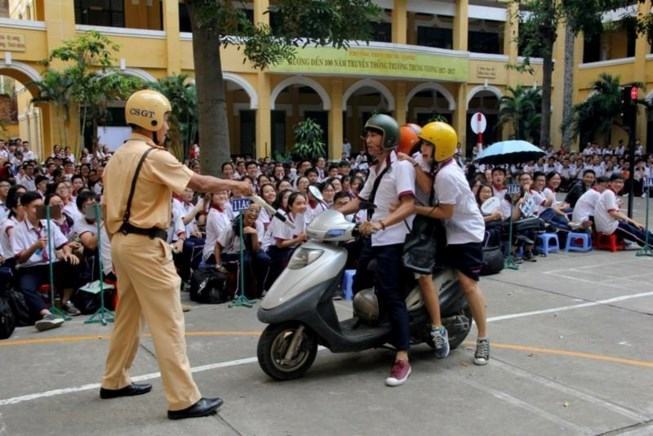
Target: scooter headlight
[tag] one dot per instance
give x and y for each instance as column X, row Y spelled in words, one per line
column 303, row 257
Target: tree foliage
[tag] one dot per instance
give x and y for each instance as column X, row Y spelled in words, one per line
column 520, row 109
column 334, row 23
column 538, row 23
column 602, row 110
column 183, row 119
column 308, row 141
column 86, row 80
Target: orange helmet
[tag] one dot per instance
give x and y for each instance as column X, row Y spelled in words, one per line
column 408, row 137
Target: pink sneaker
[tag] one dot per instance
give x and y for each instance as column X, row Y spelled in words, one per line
column 399, row 373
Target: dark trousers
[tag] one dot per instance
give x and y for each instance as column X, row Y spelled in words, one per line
column 279, row 258
column 191, row 257
column 255, row 266
column 633, row 233
column 29, row 279
column 386, row 278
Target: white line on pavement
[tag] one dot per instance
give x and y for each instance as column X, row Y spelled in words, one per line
column 571, row 307
column 238, row 362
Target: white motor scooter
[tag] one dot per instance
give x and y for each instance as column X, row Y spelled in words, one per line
column 301, row 315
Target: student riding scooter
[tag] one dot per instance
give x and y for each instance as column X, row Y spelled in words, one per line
column 301, row 315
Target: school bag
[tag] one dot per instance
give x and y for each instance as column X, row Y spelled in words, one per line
column 7, row 321
column 209, row 286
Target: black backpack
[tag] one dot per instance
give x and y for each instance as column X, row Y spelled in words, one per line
column 209, row 286
column 19, row 307
column 7, row 321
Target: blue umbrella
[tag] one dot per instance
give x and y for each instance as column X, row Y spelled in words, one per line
column 510, row 152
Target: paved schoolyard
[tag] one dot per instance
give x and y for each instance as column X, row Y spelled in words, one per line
column 571, row 337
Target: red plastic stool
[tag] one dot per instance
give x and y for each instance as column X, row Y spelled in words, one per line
column 44, row 290
column 608, row 242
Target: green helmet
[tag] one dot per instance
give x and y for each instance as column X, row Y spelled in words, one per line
column 388, row 127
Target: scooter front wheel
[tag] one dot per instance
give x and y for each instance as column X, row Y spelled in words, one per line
column 286, row 351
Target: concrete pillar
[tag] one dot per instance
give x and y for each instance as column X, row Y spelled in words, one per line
column 399, row 22
column 260, row 7
column 263, row 118
column 510, row 44
column 336, row 133
column 557, row 88
column 400, row 102
column 460, row 116
column 642, row 48
column 460, row 25
column 171, row 27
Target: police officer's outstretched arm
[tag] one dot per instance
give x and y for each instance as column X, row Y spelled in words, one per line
column 202, row 183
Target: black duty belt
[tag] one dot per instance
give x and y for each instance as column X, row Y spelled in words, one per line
column 152, row 232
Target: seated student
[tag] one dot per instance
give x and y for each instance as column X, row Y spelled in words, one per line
column 16, row 215
column 32, row 249
column 555, row 213
column 315, row 206
column 609, row 219
column 217, row 222
column 85, row 227
column 286, row 238
column 580, row 187
column 256, row 261
column 583, row 212
column 268, row 194
column 194, row 240
column 492, row 218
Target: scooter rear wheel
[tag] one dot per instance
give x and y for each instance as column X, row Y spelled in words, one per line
column 273, row 346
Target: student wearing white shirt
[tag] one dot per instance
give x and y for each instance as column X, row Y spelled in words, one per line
column 287, row 238
column 583, row 212
column 33, row 253
column 386, row 230
column 255, row 261
column 464, row 225
column 500, row 191
column 609, row 219
column 217, row 222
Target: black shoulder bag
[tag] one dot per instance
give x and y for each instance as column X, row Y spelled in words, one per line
column 422, row 242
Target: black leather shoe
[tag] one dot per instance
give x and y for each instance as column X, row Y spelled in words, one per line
column 127, row 391
column 204, row 407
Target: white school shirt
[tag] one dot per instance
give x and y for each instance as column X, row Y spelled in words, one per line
column 216, row 223
column 280, row 230
column 397, row 182
column 452, row 188
column 105, row 251
column 81, row 226
column 25, row 235
column 607, row 203
column 6, row 249
column 505, row 207
column 585, row 206
column 230, row 243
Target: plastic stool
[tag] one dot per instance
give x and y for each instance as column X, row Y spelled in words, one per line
column 577, row 241
column 608, row 242
column 548, row 243
column 347, row 284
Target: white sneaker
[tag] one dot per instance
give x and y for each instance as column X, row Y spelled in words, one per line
column 48, row 322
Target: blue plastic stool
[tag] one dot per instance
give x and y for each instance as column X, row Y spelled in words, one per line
column 578, row 242
column 347, row 284
column 547, row 243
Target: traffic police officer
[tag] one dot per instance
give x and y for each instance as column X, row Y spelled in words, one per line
column 139, row 181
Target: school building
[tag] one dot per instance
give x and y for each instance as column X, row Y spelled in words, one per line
column 427, row 57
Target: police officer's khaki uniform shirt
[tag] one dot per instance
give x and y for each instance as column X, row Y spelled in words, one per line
column 160, row 175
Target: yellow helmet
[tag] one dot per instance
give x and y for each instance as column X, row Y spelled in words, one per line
column 443, row 137
column 146, row 109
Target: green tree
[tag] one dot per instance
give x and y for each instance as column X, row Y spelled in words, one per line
column 538, row 33
column 601, row 111
column 520, row 109
column 302, row 22
column 87, row 61
column 308, row 141
column 183, row 119
column 55, row 88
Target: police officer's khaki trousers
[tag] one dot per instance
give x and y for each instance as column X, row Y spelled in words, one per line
column 148, row 286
